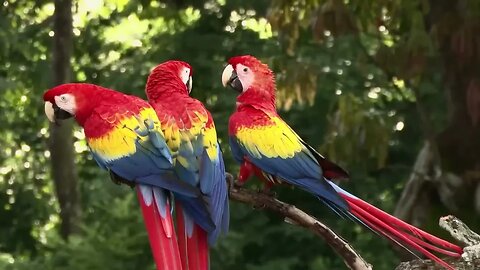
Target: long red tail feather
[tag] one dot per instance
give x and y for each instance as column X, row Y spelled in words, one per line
column 401, row 232
column 161, row 235
column 194, row 250
column 402, row 224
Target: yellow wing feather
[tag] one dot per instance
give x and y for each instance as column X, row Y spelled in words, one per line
column 196, row 134
column 274, row 140
column 120, row 141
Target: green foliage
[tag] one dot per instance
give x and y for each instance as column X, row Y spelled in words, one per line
column 358, row 132
column 330, row 59
column 113, row 238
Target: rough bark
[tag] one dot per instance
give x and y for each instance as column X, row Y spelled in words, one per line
column 429, row 265
column 61, row 139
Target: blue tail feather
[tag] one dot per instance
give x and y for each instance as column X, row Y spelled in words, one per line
column 197, row 208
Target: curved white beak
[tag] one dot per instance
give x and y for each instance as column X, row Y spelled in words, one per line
column 227, row 73
column 49, row 111
column 190, row 82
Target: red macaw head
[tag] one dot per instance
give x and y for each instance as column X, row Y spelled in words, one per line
column 246, row 73
column 70, row 100
column 169, row 76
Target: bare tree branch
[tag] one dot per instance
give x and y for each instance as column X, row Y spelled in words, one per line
column 461, row 232
column 429, row 265
column 293, row 215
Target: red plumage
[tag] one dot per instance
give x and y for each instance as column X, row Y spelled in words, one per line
column 161, row 235
column 193, row 249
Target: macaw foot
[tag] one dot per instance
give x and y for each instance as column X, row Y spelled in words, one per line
column 118, row 180
column 238, row 183
column 232, row 182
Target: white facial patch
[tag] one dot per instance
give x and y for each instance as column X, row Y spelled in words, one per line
column 245, row 75
column 185, row 76
column 66, row 102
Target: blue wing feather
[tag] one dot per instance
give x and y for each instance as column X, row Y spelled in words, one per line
column 237, row 151
column 196, row 164
column 100, row 162
column 213, row 181
column 150, row 164
column 301, row 170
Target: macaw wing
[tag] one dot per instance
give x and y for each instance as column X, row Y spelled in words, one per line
column 278, row 150
column 134, row 149
column 212, row 167
column 193, row 141
column 237, row 151
column 199, row 144
column 212, row 178
column 331, row 171
column 179, row 140
column 198, row 158
column 170, row 129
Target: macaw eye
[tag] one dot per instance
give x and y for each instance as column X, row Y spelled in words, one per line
column 63, row 98
column 245, row 69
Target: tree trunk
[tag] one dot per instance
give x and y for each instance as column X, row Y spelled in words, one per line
column 455, row 31
column 459, row 142
column 61, row 139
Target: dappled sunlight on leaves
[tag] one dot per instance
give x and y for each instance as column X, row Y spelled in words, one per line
column 357, row 133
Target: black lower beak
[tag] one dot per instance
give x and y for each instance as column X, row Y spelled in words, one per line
column 235, row 83
column 60, row 114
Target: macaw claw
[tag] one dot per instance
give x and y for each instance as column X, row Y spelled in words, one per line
column 232, row 182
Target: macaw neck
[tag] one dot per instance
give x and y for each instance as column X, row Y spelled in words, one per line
column 168, row 98
column 166, row 90
column 258, row 99
column 87, row 104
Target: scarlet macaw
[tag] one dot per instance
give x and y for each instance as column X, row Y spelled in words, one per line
column 124, row 136
column 190, row 133
column 266, row 146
